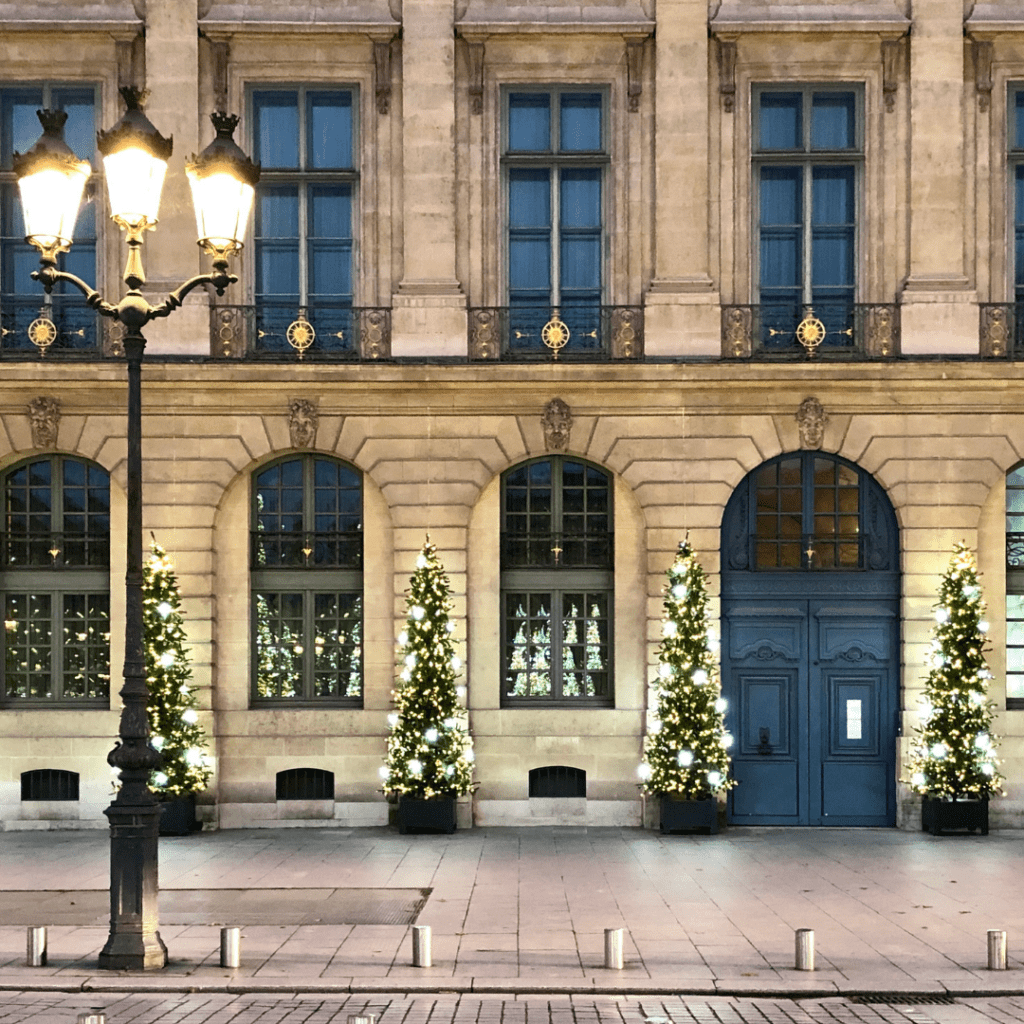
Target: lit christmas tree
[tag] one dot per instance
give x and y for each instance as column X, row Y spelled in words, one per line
column 173, row 722
column 953, row 754
column 685, row 750
column 430, row 752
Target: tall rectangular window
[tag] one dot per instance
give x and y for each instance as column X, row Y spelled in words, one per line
column 1015, row 588
column 555, row 155
column 21, row 299
column 304, row 240
column 808, row 151
column 1016, row 154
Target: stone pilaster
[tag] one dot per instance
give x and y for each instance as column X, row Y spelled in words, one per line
column 682, row 313
column 940, row 311
column 429, row 309
column 171, row 255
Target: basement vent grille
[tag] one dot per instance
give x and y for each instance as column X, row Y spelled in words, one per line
column 305, row 784
column 558, row 780
column 49, row 784
column 903, row 998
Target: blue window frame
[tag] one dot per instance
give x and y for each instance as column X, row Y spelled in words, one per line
column 808, row 150
column 555, row 155
column 304, row 138
column 21, row 300
column 55, row 584
column 307, row 582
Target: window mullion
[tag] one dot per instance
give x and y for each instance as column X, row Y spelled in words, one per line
column 556, row 235
column 808, row 232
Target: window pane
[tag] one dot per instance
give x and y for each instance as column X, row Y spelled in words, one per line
column 277, row 242
column 781, row 122
column 29, row 646
column 86, row 643
column 276, row 129
column 580, row 197
column 528, row 645
column 330, row 129
column 529, row 122
column 19, row 126
column 581, row 122
column 585, row 645
column 80, row 128
column 1019, row 232
column 1017, row 141
column 529, row 198
column 834, row 120
column 280, row 649
column 781, row 196
column 330, row 242
column 337, row 627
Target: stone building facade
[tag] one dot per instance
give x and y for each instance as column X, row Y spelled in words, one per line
column 782, row 247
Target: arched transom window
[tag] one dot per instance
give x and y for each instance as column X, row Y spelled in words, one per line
column 557, row 583
column 55, row 583
column 307, row 582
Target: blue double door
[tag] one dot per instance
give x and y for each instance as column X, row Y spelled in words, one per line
column 811, row 684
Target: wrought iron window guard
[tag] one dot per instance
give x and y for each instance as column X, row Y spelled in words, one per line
column 784, row 331
column 46, row 549
column 313, row 550
column 65, row 325
column 1001, row 330
column 593, row 550
column 316, row 331
column 569, row 333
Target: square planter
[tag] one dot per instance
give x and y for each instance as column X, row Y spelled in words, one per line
column 434, row 815
column 938, row 815
column 178, row 816
column 688, row 815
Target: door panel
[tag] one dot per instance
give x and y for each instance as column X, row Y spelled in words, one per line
column 810, row 696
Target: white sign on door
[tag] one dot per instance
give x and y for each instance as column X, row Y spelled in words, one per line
column 854, row 727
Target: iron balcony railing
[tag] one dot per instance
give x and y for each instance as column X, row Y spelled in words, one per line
column 295, row 550
column 594, row 550
column 316, row 331
column 580, row 333
column 46, row 549
column 64, row 324
column 828, row 330
column 1001, row 331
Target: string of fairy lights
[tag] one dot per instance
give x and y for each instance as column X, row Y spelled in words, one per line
column 953, row 753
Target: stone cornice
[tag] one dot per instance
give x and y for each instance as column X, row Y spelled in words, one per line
column 743, row 16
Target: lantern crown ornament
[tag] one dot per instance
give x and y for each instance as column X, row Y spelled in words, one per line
column 51, row 180
column 223, row 181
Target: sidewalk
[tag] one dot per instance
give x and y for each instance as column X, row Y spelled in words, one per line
column 524, row 911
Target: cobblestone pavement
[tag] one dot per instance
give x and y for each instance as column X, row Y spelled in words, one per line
column 224, row 1008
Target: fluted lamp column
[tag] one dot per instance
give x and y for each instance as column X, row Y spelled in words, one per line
column 51, row 180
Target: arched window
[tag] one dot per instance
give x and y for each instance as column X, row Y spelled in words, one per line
column 557, row 583
column 307, row 581
column 1015, row 588
column 55, row 583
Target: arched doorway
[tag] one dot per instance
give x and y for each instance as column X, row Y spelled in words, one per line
column 810, row 631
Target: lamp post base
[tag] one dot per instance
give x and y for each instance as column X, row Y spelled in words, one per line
column 134, row 944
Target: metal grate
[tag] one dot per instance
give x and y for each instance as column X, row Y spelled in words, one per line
column 49, row 784
column 558, row 780
column 305, row 784
column 903, row 998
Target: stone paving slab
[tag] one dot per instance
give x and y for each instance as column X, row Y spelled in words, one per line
column 514, row 910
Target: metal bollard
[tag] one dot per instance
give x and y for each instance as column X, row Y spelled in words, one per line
column 362, row 1018
column 613, row 949
column 805, row 949
column 421, row 946
column 230, row 947
column 35, row 947
column 93, row 1016
column 996, row 950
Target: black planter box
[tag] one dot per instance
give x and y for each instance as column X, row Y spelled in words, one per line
column 434, row 815
column 938, row 816
column 178, row 816
column 688, row 815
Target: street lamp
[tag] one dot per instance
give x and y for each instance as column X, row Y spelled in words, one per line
column 51, row 179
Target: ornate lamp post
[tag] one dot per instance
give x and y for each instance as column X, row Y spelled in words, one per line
column 51, row 180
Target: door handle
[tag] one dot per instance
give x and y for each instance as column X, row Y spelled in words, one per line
column 764, row 746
